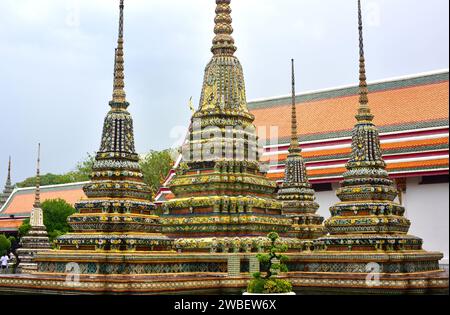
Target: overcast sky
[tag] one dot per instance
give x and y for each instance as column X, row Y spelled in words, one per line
column 56, row 62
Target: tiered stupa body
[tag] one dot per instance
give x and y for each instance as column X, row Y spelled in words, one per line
column 368, row 247
column 36, row 239
column 118, row 217
column 7, row 191
column 221, row 193
column 296, row 193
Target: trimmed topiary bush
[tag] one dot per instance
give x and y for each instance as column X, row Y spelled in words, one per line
column 272, row 262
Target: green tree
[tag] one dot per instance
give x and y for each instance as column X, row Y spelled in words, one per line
column 81, row 173
column 5, row 244
column 56, row 212
column 84, row 168
column 24, row 228
column 155, row 167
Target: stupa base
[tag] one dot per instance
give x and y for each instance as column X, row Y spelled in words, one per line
column 73, row 272
column 430, row 283
column 371, row 272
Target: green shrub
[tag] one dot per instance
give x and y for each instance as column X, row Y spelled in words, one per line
column 256, row 286
column 5, row 244
column 24, row 228
column 277, row 286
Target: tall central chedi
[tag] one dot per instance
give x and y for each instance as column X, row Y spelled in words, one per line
column 221, row 194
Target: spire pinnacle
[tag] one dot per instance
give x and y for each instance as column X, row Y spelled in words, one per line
column 119, row 95
column 223, row 42
column 8, row 179
column 295, row 147
column 37, row 196
column 364, row 113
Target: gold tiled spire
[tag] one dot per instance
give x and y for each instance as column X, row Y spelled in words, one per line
column 223, row 42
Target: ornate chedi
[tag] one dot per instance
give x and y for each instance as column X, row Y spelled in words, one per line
column 7, row 191
column 224, row 204
column 367, row 228
column 222, row 198
column 367, row 214
column 296, row 193
column 117, row 218
column 36, row 240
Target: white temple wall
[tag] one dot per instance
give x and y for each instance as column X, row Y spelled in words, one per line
column 427, row 206
column 326, row 199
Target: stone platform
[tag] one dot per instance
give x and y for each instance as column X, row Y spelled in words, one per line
column 175, row 273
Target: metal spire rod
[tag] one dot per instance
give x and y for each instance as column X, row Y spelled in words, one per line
column 295, row 147
column 37, row 197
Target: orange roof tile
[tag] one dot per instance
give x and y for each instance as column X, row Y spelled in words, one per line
column 10, row 224
column 21, row 201
column 391, row 107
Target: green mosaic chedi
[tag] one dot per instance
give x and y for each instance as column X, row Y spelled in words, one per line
column 368, row 218
column 117, row 214
column 220, row 190
column 368, row 248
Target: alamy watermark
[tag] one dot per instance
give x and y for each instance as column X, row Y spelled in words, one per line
column 73, row 275
column 373, row 276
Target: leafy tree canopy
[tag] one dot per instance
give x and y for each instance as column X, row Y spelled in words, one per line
column 155, row 167
column 56, row 212
column 5, row 244
column 80, row 174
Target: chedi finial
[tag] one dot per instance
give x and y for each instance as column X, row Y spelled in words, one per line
column 119, row 95
column 8, row 179
column 364, row 113
column 37, row 196
column 223, row 42
column 295, row 146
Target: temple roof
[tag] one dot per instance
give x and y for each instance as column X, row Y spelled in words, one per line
column 411, row 114
column 21, row 201
column 422, row 100
column 415, row 141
